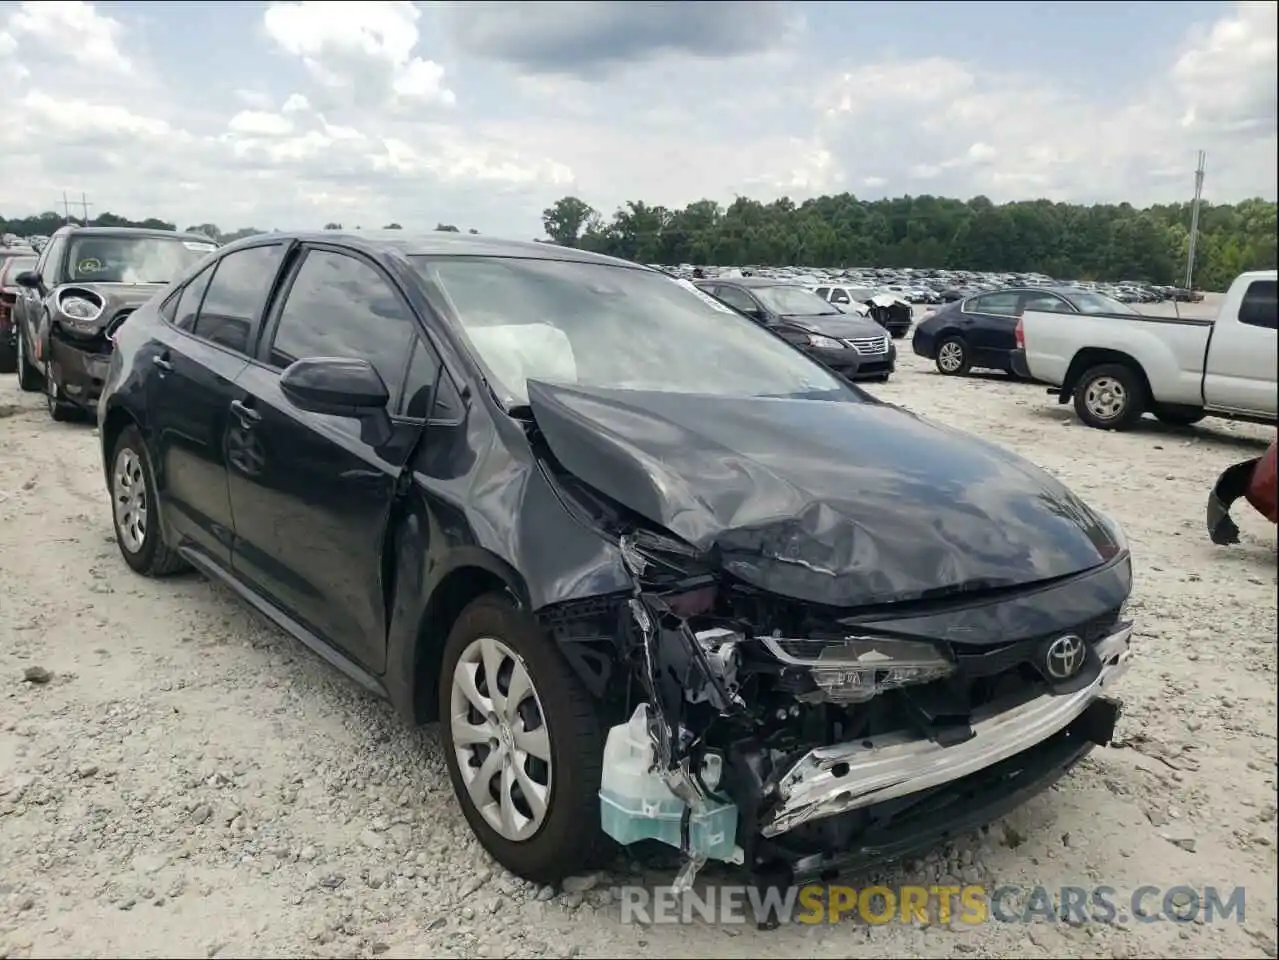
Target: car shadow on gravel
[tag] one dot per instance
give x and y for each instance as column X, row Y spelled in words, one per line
column 1149, row 426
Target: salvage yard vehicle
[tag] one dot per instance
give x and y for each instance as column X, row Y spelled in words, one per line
column 690, row 586
column 10, row 267
column 85, row 284
column 1117, row 366
column 1255, row 480
column 890, row 312
column 979, row 331
column 854, row 347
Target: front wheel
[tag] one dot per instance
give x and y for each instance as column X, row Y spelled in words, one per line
column 952, row 357
column 59, row 409
column 29, row 379
column 1110, row 396
column 523, row 743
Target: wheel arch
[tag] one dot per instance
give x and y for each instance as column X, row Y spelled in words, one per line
column 1090, row 357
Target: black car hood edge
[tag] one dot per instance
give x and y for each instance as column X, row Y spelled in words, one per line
column 840, row 503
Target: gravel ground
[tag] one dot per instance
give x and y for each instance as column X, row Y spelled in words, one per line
column 189, row 782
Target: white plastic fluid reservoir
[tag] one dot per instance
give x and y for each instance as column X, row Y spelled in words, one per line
column 636, row 804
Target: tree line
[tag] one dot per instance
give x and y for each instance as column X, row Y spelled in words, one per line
column 1063, row 240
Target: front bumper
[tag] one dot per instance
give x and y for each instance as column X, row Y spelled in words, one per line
column 852, row 365
column 80, row 371
column 829, row 781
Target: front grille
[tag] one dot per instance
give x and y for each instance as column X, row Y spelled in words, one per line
column 869, row 346
column 975, row 661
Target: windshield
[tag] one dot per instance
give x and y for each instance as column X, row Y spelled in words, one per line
column 1091, row 302
column 793, row 301
column 125, row 259
column 599, row 325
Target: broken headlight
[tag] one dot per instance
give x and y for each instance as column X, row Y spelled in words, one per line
column 856, row 669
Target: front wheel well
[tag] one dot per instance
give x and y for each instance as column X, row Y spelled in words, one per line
column 1091, row 357
column 453, row 595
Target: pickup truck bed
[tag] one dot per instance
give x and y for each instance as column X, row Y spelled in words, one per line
column 1117, row 367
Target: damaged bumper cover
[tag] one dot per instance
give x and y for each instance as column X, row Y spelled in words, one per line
column 829, row 781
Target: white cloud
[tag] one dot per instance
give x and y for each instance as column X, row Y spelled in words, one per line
column 359, row 52
column 375, row 112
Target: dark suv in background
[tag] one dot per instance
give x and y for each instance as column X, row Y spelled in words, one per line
column 86, row 281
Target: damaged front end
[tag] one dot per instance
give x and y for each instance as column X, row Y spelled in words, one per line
column 799, row 747
column 827, row 667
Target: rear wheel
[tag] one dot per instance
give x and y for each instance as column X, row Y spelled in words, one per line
column 1110, row 396
column 523, row 743
column 952, row 357
column 135, row 510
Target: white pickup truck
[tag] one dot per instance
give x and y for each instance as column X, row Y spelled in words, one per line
column 1117, row 367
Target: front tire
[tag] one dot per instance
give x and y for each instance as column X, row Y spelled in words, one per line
column 29, row 379
column 1110, row 396
column 59, row 410
column 952, row 357
column 135, row 510
column 523, row 743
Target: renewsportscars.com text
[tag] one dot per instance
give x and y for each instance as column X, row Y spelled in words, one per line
column 972, row 905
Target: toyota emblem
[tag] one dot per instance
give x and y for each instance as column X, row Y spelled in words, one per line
column 1065, row 656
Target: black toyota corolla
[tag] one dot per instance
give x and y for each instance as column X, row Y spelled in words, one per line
column 655, row 572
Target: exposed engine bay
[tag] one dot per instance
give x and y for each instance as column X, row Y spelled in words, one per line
column 812, row 720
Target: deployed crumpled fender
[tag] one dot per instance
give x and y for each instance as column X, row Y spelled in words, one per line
column 1257, row 481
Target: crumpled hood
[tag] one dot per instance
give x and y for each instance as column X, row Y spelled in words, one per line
column 843, row 326
column 840, row 503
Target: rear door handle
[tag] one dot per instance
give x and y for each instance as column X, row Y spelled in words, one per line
column 247, row 415
column 163, row 364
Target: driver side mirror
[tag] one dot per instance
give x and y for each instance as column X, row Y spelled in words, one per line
column 341, row 387
column 29, row 279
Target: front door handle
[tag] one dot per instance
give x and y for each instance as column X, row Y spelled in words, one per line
column 247, row 415
column 163, row 364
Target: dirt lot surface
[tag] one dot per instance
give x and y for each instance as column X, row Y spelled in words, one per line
column 189, row 782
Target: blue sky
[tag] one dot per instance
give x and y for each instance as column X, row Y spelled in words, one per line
column 481, row 114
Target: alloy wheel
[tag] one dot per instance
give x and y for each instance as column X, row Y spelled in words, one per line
column 500, row 738
column 950, row 357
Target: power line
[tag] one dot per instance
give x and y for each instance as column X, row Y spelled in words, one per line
column 1194, row 222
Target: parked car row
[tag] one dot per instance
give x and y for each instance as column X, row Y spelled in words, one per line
column 652, row 586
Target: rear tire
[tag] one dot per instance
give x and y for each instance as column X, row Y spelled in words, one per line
column 1110, row 396
column 135, row 510
column 554, row 715
column 952, row 357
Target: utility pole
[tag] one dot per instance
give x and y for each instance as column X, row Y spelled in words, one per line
column 1194, row 222
column 85, row 205
column 66, row 208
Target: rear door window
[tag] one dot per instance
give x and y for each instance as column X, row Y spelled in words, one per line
column 237, row 295
column 1002, row 304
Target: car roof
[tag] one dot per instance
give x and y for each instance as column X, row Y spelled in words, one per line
column 79, row 231
column 439, row 243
